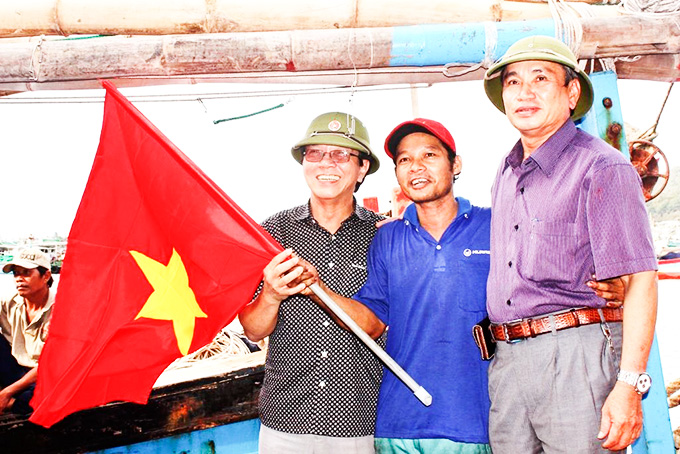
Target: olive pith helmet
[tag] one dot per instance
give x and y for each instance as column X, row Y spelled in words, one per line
column 339, row 129
column 538, row 48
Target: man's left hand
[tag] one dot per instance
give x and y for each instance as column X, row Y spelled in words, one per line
column 309, row 276
column 621, row 422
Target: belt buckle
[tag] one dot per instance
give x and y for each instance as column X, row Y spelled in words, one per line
column 507, row 334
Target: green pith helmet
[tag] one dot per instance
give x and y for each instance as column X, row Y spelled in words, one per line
column 342, row 130
column 538, row 48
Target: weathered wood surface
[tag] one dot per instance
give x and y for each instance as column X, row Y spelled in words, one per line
column 629, row 36
column 171, row 410
column 57, row 63
column 163, row 17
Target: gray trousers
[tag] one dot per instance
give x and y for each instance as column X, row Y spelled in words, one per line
column 547, row 392
column 276, row 442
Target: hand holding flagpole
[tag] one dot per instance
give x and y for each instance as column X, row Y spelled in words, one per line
column 420, row 392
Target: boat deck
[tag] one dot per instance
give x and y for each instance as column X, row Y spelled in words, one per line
column 173, row 409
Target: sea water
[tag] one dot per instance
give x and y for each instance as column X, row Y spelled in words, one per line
column 667, row 329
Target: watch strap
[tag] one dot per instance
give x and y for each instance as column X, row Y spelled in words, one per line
column 641, row 382
column 628, row 377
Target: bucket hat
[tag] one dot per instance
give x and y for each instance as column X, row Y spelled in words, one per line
column 543, row 48
column 339, row 129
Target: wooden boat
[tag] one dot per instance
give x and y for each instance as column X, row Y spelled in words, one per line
column 216, row 410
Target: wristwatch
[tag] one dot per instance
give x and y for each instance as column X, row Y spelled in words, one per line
column 640, row 382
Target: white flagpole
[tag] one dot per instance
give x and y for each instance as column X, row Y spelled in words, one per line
column 418, row 390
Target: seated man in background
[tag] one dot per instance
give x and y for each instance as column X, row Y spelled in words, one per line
column 24, row 321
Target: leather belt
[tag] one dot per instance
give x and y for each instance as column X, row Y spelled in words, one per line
column 532, row 327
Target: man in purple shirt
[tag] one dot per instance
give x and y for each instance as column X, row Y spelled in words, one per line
column 569, row 373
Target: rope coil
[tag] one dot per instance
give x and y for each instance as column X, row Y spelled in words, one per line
column 227, row 343
column 650, row 7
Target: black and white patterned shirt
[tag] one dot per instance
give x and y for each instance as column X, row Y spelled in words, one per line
column 319, row 378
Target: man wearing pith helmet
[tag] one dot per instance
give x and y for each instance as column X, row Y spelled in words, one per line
column 24, row 323
column 565, row 206
column 321, row 383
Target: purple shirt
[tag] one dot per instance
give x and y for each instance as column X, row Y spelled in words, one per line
column 574, row 208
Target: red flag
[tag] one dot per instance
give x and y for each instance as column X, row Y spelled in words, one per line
column 159, row 260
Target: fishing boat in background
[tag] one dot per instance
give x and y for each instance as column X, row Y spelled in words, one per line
column 669, row 265
column 54, row 248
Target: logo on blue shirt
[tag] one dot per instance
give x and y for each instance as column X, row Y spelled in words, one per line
column 469, row 252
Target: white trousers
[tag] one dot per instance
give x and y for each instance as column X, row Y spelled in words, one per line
column 275, row 442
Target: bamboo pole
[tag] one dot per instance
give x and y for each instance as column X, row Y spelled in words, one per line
column 164, row 17
column 418, row 391
column 660, row 68
column 37, row 63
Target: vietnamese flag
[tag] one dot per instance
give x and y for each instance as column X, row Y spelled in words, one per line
column 159, row 260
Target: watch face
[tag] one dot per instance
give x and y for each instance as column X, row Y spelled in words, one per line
column 644, row 382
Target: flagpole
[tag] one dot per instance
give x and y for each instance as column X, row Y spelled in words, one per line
column 420, row 392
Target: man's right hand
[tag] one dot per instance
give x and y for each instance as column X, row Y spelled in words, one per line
column 388, row 220
column 286, row 275
column 6, row 400
column 612, row 290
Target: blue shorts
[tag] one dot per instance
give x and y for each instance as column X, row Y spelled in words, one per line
column 427, row 446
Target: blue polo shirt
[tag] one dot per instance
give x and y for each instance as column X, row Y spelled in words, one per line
column 431, row 294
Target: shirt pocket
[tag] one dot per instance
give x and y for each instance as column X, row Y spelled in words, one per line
column 551, row 252
column 471, row 282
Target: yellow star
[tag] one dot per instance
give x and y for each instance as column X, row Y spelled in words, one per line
column 172, row 298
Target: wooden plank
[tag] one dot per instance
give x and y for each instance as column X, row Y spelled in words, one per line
column 629, row 35
column 171, row 410
column 660, row 68
column 238, row 438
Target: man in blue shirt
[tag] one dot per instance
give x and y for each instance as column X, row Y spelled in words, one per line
column 426, row 281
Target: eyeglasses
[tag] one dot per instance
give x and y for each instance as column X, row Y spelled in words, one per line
column 337, row 156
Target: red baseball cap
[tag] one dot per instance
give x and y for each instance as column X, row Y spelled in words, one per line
column 418, row 125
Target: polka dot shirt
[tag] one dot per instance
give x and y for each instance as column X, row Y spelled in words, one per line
column 319, row 378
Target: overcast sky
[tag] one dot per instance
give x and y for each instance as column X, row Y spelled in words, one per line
column 48, row 148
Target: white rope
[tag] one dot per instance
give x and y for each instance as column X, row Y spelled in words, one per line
column 567, row 25
column 355, row 82
column 649, row 8
column 37, row 53
column 227, row 343
column 568, row 28
column 490, row 44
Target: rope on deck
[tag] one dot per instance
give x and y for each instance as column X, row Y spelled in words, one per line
column 226, row 343
column 671, row 390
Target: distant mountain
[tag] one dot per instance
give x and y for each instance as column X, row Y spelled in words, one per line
column 666, row 207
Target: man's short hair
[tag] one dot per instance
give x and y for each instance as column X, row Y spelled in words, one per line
column 42, row 270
